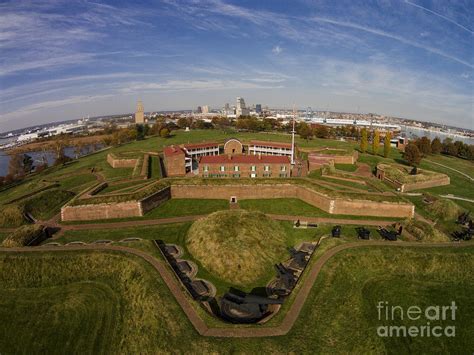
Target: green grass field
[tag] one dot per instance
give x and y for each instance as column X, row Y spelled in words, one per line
column 103, row 302
column 187, row 207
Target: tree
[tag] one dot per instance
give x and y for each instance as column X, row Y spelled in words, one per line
column 321, row 131
column 27, row 164
column 386, row 144
column 304, row 131
column 59, row 145
column 449, row 147
column 183, row 122
column 15, row 166
column 139, row 132
column 364, row 143
column 77, row 150
column 436, row 146
column 412, row 154
column 376, row 142
column 165, row 133
column 424, row 145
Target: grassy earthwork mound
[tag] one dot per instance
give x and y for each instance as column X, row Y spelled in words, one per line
column 424, row 232
column 238, row 246
column 444, row 209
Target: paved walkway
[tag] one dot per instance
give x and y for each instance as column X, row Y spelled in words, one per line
column 457, row 198
column 256, row 331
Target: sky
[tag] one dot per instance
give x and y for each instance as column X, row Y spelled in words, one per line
column 69, row 59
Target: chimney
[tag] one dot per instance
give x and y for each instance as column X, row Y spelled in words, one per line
column 260, row 157
column 229, row 156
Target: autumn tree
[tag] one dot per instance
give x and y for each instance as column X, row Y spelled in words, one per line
column 386, row 144
column 165, row 133
column 27, row 163
column 59, row 146
column 424, row 145
column 376, row 142
column 412, row 154
column 364, row 143
column 436, row 146
column 304, row 130
column 15, row 166
column 321, row 131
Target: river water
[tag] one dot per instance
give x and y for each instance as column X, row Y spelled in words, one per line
column 40, row 157
column 413, row 132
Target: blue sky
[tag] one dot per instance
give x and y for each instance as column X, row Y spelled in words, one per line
column 67, row 59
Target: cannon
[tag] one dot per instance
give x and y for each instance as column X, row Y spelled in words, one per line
column 336, row 231
column 363, row 233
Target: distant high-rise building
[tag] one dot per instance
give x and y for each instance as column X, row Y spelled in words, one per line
column 205, row 109
column 140, row 114
column 199, row 109
column 241, row 110
column 258, row 108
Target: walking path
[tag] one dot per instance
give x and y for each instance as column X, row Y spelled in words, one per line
column 366, row 222
column 448, row 167
column 53, row 222
column 457, row 198
column 182, row 219
column 200, row 326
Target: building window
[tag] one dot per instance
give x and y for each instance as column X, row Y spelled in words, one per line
column 283, row 168
column 222, row 168
column 236, row 168
column 283, row 175
column 206, row 168
column 236, row 175
column 266, row 168
column 253, row 175
column 253, row 168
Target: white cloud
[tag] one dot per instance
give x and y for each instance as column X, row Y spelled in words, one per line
column 394, row 37
column 277, row 50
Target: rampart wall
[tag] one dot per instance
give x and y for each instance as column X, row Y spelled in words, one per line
column 120, row 163
column 101, row 211
column 325, row 203
column 442, row 181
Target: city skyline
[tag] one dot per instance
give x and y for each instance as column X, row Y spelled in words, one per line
column 405, row 59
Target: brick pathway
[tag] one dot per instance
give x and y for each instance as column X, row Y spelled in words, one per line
column 256, row 331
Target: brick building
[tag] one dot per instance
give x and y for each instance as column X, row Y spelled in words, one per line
column 245, row 166
column 176, row 162
column 233, row 146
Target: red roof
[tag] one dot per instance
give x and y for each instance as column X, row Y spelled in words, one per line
column 271, row 144
column 244, row 159
column 201, row 145
column 172, row 150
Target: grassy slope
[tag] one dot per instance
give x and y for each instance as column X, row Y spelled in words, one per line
column 340, row 315
column 48, row 203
